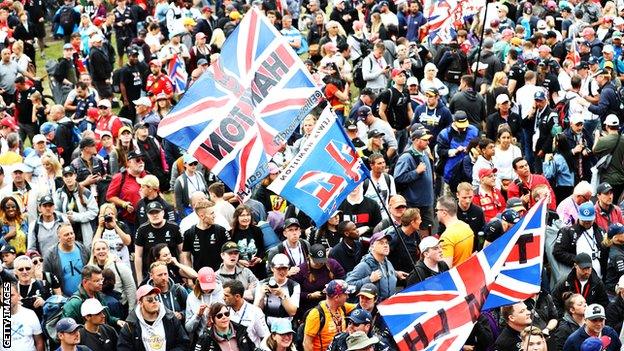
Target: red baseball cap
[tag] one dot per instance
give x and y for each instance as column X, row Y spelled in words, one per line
column 484, row 172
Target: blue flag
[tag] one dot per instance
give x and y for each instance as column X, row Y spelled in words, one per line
column 323, row 173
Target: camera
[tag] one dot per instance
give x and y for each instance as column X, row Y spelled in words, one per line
column 273, row 284
column 108, row 218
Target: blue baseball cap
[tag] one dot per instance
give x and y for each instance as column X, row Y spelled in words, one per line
column 47, row 127
column 615, row 229
column 281, row 326
column 596, row 344
column 539, row 95
column 593, row 60
column 360, row 316
column 587, row 212
column 67, row 325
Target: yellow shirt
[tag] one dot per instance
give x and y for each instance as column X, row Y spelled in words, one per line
column 457, row 241
column 331, row 328
column 10, row 158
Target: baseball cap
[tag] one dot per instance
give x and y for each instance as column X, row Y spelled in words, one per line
column 604, row 188
column 363, row 112
column 91, row 306
column 586, row 212
column 281, row 326
column 485, row 172
column 143, row 101
column 39, row 138
column 428, row 242
column 510, row 216
column 477, row 66
column 68, row 46
column 336, row 287
column 46, row 199
column 280, row 260
column 235, row 15
column 397, row 71
column 21, row 167
column 421, row 133
column 291, row 221
column 318, row 254
column 105, row 103
column 8, row 249
column 375, row 133
column 608, row 48
column 583, row 260
column 86, row 142
column 412, row 81
column 124, row 129
column 229, row 246
column 132, row 51
column 617, row 34
column 576, row 118
column 202, row 61
column 461, row 119
column 67, row 325
column 47, row 127
column 350, row 125
column 188, row 158
column 140, row 125
column 369, row 290
column 615, row 229
column 134, row 154
column 596, row 344
column 612, row 121
column 432, row 92
column 149, row 180
column 154, row 206
column 378, row 236
column 594, row 311
column 603, row 71
column 155, row 62
column 516, row 41
column 593, row 60
column 588, row 31
column 146, row 290
column 68, row 170
column 360, row 316
column 501, row 99
column 359, row 340
column 8, row 122
column 539, row 95
column 582, row 65
column 273, row 168
column 207, row 278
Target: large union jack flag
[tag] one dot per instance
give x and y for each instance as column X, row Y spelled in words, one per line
column 443, row 16
column 439, row 313
column 234, row 118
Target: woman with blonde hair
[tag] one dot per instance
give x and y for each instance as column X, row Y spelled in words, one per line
column 430, row 81
column 217, row 40
column 79, row 204
column 498, row 86
column 378, row 30
column 115, row 233
column 124, row 282
column 50, row 179
column 18, row 55
column 334, row 34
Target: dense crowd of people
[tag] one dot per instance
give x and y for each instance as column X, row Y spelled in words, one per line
column 113, row 238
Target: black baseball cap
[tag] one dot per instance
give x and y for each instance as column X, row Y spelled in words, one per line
column 134, row 154
column 46, row 199
column 154, row 206
column 318, row 253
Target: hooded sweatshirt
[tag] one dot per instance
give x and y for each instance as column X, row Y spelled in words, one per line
column 154, row 338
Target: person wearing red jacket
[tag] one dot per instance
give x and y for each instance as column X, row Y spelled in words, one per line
column 124, row 190
column 606, row 212
column 526, row 182
column 488, row 197
column 107, row 121
column 158, row 82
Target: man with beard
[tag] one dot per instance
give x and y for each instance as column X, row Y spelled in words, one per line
column 124, row 190
column 131, row 84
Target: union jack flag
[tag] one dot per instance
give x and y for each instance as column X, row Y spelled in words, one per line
column 177, row 74
column 236, row 116
column 444, row 16
column 440, row 312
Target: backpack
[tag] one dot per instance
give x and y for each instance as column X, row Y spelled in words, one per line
column 66, row 16
column 358, row 76
column 367, row 182
column 301, row 328
column 375, row 105
column 117, row 79
column 365, row 46
column 455, row 70
column 563, row 112
column 52, row 313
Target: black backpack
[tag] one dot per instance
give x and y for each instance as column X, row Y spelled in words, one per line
column 66, row 16
column 358, row 76
column 375, row 105
column 563, row 112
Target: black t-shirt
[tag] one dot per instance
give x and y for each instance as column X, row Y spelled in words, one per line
column 104, row 340
column 396, row 112
column 516, row 72
column 30, row 292
column 205, row 245
column 132, row 80
column 474, row 218
column 148, row 236
column 24, row 105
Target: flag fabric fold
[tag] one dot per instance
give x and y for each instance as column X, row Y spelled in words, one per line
column 177, row 74
column 440, row 312
column 249, row 102
column 323, row 173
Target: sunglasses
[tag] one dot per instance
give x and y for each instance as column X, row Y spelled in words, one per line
column 21, row 269
column 150, row 299
column 222, row 314
column 139, row 159
column 37, row 261
column 103, row 107
column 193, row 164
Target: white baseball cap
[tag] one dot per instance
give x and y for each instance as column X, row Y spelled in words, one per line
column 90, row 307
column 612, row 121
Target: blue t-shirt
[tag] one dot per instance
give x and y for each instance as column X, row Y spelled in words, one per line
column 72, row 270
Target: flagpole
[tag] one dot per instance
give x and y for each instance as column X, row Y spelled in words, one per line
column 476, row 71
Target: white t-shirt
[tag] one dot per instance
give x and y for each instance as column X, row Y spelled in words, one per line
column 116, row 245
column 24, row 326
column 586, row 243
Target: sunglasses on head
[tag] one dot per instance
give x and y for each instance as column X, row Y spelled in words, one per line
column 222, row 314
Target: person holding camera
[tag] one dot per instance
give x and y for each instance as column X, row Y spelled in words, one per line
column 114, row 232
column 278, row 296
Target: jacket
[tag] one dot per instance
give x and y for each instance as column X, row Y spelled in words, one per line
column 615, row 313
column 130, row 336
column 71, row 309
column 193, row 322
column 576, row 339
column 607, row 145
column 558, row 171
column 100, row 64
column 208, row 342
column 565, row 245
column 566, row 327
column 42, row 239
column 361, row 275
column 471, row 103
column 608, row 103
column 347, row 257
column 494, row 120
column 449, row 138
column 419, row 186
column 52, row 261
column 608, row 217
column 594, row 291
column 83, row 215
column 174, row 299
column 124, row 283
column 615, row 267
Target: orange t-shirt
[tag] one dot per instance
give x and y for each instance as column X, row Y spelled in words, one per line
column 330, row 329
